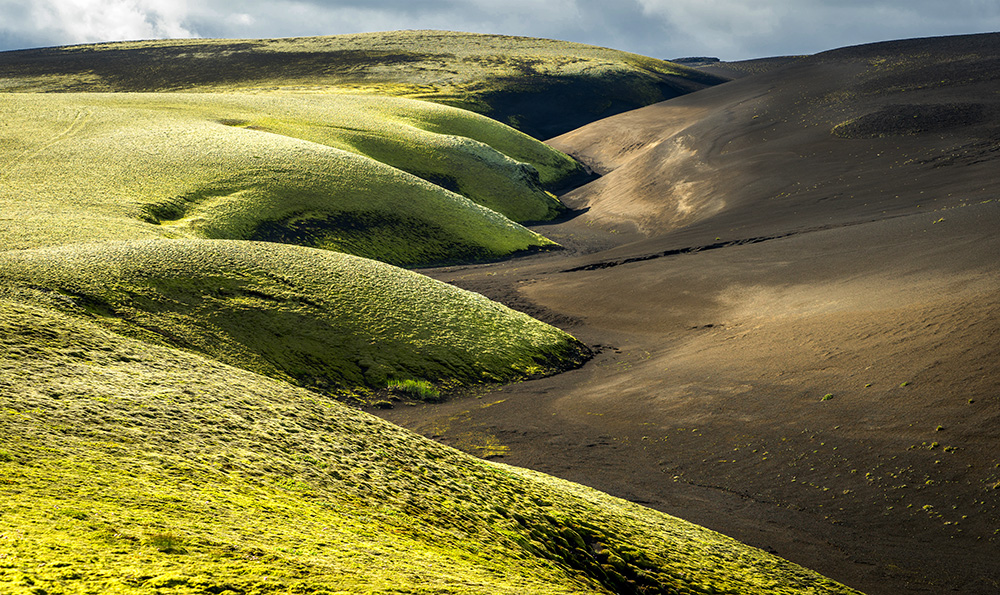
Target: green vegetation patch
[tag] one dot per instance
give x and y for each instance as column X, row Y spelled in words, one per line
column 542, row 87
column 134, row 468
column 415, row 389
column 320, row 319
column 93, row 167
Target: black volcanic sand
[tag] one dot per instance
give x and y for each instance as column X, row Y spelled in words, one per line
column 793, row 282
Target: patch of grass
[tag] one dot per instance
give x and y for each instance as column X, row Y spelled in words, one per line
column 827, row 397
column 415, row 389
column 279, row 490
column 336, row 323
column 166, row 543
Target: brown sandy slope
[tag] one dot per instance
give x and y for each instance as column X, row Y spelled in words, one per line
column 825, row 228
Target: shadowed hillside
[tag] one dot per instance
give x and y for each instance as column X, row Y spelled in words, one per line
column 542, row 87
column 838, row 137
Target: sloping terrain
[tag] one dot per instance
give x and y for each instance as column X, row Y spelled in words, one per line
column 540, row 86
column 331, row 322
column 342, row 173
column 793, row 278
column 130, row 468
column 840, row 137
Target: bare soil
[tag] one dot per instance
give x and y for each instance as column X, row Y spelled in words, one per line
column 797, row 332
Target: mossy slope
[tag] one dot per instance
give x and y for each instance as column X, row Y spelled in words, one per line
column 337, row 323
column 323, row 171
column 543, row 87
column 129, row 468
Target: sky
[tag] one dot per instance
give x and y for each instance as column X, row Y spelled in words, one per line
column 728, row 29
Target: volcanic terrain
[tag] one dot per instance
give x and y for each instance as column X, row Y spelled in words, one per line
column 791, row 280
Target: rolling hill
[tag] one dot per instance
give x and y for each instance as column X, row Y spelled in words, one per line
column 327, row 171
column 132, row 468
column 540, row 86
column 334, row 323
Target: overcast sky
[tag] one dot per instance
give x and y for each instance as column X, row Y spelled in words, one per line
column 729, row 29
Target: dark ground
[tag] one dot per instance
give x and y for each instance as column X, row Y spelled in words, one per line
column 792, row 281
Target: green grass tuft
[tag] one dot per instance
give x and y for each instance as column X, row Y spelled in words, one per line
column 166, row 543
column 415, row 389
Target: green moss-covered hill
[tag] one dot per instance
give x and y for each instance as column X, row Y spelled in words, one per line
column 132, row 468
column 339, row 324
column 540, row 86
column 403, row 181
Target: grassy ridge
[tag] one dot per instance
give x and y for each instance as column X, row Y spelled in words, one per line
column 543, row 87
column 332, row 322
column 291, row 169
column 130, row 468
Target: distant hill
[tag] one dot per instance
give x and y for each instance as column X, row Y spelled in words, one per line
column 742, row 68
column 852, row 133
column 542, row 87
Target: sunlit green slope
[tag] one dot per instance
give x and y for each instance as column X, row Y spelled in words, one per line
column 540, row 86
column 86, row 167
column 130, row 468
column 336, row 323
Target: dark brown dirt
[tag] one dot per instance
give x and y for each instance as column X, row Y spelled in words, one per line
column 798, row 332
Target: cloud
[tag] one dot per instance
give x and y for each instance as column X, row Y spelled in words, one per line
column 731, row 29
column 61, row 22
column 739, row 28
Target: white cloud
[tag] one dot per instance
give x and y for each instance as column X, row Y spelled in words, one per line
column 730, row 29
column 742, row 28
column 83, row 21
column 241, row 19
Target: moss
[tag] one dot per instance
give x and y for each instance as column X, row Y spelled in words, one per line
column 114, row 167
column 514, row 79
column 336, row 323
column 196, row 477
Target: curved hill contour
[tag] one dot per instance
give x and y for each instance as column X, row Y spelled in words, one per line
column 332, row 322
column 842, row 136
column 128, row 468
column 403, row 181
